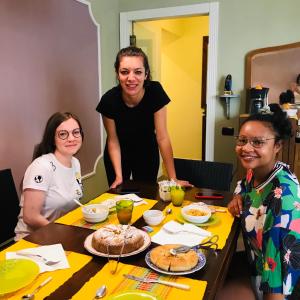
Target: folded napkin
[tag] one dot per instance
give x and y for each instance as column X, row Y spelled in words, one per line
column 175, row 227
column 136, row 199
column 176, row 233
column 52, row 252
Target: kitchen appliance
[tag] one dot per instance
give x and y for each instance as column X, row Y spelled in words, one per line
column 258, row 99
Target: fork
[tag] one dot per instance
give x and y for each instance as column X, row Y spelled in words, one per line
column 46, row 261
column 169, row 283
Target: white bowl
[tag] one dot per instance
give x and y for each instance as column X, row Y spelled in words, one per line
column 153, row 217
column 196, row 213
column 95, row 213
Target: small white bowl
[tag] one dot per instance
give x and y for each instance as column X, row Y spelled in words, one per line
column 153, row 217
column 95, row 213
column 196, row 213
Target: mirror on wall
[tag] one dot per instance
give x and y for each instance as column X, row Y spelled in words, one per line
column 273, row 67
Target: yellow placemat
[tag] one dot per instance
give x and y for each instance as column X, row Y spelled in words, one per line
column 222, row 228
column 76, row 261
column 117, row 283
column 75, row 217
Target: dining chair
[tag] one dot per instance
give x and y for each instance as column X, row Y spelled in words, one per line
column 9, row 207
column 205, row 174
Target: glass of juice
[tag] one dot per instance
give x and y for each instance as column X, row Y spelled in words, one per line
column 177, row 195
column 124, row 210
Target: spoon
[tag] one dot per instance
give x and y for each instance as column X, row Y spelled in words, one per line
column 168, row 211
column 100, row 293
column 31, row 296
column 77, row 202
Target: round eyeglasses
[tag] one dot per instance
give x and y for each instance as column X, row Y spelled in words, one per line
column 256, row 142
column 64, row 134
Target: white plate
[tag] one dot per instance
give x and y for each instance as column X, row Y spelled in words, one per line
column 88, row 246
column 201, row 263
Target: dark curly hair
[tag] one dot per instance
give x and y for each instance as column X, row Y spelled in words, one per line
column 277, row 120
column 134, row 51
column 286, row 97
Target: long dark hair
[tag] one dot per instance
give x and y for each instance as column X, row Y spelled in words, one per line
column 134, row 51
column 47, row 145
column 276, row 119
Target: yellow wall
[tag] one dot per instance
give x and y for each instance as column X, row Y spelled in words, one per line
column 178, row 43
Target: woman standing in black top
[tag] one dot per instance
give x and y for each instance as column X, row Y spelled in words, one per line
column 134, row 115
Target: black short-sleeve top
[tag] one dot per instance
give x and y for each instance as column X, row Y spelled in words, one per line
column 134, row 123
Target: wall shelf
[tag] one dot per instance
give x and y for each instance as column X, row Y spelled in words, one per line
column 227, row 99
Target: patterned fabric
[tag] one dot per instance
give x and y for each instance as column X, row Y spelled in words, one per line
column 271, row 226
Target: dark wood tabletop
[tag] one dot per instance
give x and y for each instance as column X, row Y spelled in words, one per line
column 72, row 238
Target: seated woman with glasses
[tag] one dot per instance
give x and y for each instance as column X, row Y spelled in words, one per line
column 53, row 179
column 268, row 202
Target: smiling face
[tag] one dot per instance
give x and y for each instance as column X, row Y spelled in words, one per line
column 131, row 75
column 71, row 144
column 260, row 159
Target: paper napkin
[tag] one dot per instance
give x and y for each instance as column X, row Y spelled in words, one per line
column 136, row 199
column 176, row 233
column 52, row 252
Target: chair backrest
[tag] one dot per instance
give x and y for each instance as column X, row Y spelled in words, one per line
column 205, row 174
column 9, row 206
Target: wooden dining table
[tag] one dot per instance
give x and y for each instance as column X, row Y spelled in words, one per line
column 72, row 239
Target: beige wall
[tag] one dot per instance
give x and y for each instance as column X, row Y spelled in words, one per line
column 43, row 71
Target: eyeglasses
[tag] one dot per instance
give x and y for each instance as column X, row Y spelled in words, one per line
column 64, row 134
column 256, row 142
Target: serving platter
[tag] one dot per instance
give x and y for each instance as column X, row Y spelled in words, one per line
column 88, row 246
column 201, row 263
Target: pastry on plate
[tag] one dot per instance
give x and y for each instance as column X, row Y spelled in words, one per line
column 110, row 239
column 163, row 259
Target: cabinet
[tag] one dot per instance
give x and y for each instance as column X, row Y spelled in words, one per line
column 290, row 153
column 297, row 160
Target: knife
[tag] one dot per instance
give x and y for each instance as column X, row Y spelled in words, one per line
column 169, row 283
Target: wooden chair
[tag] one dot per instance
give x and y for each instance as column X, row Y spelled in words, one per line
column 9, row 207
column 205, row 174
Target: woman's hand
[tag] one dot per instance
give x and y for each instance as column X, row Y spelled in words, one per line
column 235, row 206
column 183, row 183
column 117, row 182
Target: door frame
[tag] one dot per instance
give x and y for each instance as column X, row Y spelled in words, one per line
column 211, row 9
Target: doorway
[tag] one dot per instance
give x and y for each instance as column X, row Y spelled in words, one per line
column 212, row 10
column 174, row 47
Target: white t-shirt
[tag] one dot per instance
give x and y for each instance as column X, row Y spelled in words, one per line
column 61, row 184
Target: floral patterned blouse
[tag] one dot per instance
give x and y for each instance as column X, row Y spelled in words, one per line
column 271, row 227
